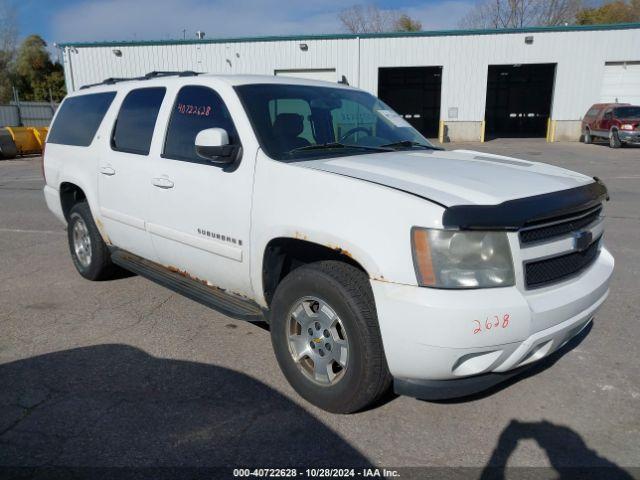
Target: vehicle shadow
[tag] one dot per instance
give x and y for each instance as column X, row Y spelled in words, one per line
column 117, row 406
column 567, row 452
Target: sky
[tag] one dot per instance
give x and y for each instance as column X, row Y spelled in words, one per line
column 99, row 20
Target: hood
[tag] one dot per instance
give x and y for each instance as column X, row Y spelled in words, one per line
column 458, row 177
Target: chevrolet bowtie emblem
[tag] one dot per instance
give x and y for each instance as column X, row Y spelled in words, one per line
column 582, row 240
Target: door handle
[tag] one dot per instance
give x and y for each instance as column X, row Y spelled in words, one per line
column 107, row 171
column 162, row 182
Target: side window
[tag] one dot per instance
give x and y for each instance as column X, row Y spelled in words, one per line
column 79, row 118
column 197, row 108
column 133, row 129
column 608, row 115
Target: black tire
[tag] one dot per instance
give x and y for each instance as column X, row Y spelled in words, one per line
column 347, row 291
column 99, row 266
column 8, row 148
column 587, row 138
column 614, row 139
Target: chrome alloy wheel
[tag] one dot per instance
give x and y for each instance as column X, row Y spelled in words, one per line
column 318, row 341
column 81, row 242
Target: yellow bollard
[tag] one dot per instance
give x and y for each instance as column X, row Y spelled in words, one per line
column 548, row 129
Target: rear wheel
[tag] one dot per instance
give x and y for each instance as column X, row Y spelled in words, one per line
column 614, row 139
column 587, row 136
column 89, row 253
column 326, row 337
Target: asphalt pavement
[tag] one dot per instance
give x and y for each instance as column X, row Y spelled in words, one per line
column 125, row 373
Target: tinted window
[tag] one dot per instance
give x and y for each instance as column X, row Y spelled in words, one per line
column 627, row 112
column 196, row 109
column 79, row 119
column 136, row 121
column 592, row 113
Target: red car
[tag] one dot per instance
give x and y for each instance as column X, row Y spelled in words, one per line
column 618, row 122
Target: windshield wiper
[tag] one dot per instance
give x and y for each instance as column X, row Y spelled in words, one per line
column 332, row 145
column 408, row 144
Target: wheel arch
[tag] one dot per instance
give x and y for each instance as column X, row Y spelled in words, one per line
column 70, row 194
column 284, row 254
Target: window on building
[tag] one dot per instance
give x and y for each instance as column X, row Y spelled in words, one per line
column 79, row 118
column 133, row 129
column 196, row 109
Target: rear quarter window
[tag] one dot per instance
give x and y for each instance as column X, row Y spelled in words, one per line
column 79, row 118
column 592, row 112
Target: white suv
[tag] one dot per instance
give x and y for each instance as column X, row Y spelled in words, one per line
column 374, row 256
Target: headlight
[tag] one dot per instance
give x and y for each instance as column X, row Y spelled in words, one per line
column 453, row 259
column 626, row 126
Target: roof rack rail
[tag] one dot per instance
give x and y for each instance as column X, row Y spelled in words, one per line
column 184, row 73
column 108, row 81
column 148, row 76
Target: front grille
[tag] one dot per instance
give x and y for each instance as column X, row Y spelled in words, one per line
column 543, row 272
column 559, row 227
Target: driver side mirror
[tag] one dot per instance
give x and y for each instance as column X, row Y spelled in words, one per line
column 213, row 144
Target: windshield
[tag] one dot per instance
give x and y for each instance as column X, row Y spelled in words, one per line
column 299, row 122
column 627, row 112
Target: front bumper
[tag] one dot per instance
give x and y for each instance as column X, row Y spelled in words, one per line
column 443, row 335
column 629, row 136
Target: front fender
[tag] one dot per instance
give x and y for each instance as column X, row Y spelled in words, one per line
column 368, row 222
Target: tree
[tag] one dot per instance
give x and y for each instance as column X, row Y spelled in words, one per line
column 407, row 24
column 521, row 13
column 36, row 75
column 371, row 19
column 617, row 11
column 8, row 36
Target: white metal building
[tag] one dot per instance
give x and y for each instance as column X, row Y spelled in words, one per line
column 459, row 85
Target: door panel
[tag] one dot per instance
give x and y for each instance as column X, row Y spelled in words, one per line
column 200, row 224
column 122, row 205
column 605, row 120
column 123, row 174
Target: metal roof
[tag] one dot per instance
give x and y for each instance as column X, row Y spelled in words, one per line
column 337, row 36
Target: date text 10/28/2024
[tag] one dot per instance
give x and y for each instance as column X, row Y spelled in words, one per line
column 316, row 472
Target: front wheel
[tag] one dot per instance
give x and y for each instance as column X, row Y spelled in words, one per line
column 325, row 334
column 614, row 139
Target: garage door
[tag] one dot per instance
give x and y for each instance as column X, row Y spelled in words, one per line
column 413, row 92
column 326, row 75
column 519, row 99
column 621, row 83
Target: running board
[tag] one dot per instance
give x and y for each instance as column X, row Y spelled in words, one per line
column 181, row 283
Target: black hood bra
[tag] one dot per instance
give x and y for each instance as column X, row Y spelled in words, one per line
column 515, row 214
